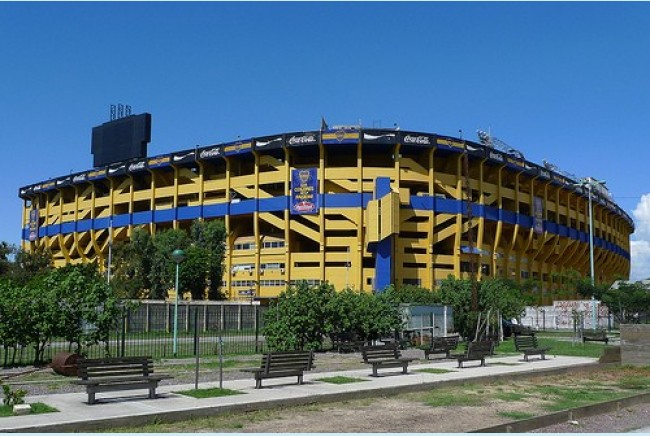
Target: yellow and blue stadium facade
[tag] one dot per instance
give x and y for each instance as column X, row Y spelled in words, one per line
column 360, row 208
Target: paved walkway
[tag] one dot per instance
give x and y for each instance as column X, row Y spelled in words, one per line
column 133, row 407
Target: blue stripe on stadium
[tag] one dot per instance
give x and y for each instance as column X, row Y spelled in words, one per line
column 347, row 200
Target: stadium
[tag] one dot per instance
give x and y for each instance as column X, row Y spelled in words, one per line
column 356, row 207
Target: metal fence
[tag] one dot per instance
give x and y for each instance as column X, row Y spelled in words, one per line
column 147, row 329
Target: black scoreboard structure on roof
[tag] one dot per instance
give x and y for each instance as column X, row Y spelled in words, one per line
column 121, row 140
column 355, row 207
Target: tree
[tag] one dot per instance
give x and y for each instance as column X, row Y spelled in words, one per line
column 500, row 295
column 145, row 263
column 39, row 303
column 366, row 315
column 298, row 319
column 86, row 308
column 458, row 295
column 132, row 263
column 14, row 319
column 6, row 251
column 193, row 272
column 626, row 301
column 211, row 236
column 163, row 268
column 27, row 264
column 411, row 294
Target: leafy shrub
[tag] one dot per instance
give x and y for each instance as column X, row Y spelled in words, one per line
column 13, row 397
column 303, row 315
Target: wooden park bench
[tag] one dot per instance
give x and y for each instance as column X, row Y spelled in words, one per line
column 442, row 344
column 522, row 330
column 282, row 364
column 118, row 374
column 346, row 341
column 475, row 351
column 384, row 356
column 529, row 346
column 597, row 336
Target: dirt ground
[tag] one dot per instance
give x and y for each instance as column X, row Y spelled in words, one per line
column 379, row 416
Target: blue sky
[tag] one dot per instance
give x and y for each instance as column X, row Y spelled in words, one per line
column 565, row 82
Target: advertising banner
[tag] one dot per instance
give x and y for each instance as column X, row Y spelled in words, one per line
column 444, row 142
column 268, row 142
column 237, row 147
column 138, row 165
column 159, row 161
column 97, row 174
column 302, row 138
column 386, row 137
column 538, row 215
column 340, row 137
column 211, row 152
column 185, row 157
column 33, row 225
column 304, row 191
column 118, row 169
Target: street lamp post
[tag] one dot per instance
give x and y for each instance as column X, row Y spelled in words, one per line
column 178, row 256
column 589, row 183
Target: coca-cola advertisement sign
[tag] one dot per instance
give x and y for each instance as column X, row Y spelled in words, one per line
column 137, row 166
column 210, row 153
column 303, row 138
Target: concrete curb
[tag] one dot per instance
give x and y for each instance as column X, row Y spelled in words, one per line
column 526, row 425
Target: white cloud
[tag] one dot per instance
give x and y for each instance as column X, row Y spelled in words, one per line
column 642, row 219
column 640, row 260
column 640, row 245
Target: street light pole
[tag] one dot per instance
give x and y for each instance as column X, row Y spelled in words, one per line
column 178, row 256
column 591, row 256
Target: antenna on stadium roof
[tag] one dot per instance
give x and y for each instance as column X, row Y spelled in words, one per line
column 120, row 111
column 395, row 126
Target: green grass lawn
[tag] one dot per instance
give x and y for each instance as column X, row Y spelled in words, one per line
column 340, row 380
column 558, row 348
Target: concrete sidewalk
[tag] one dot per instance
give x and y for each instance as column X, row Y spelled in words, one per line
column 133, row 407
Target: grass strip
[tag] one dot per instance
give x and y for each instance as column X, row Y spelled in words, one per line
column 340, row 380
column 517, row 415
column 209, row 392
column 435, row 370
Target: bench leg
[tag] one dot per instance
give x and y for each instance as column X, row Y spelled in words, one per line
column 258, row 383
column 300, row 379
column 374, row 370
column 91, row 398
column 405, row 368
column 543, row 356
column 483, row 361
column 526, row 357
column 152, row 392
